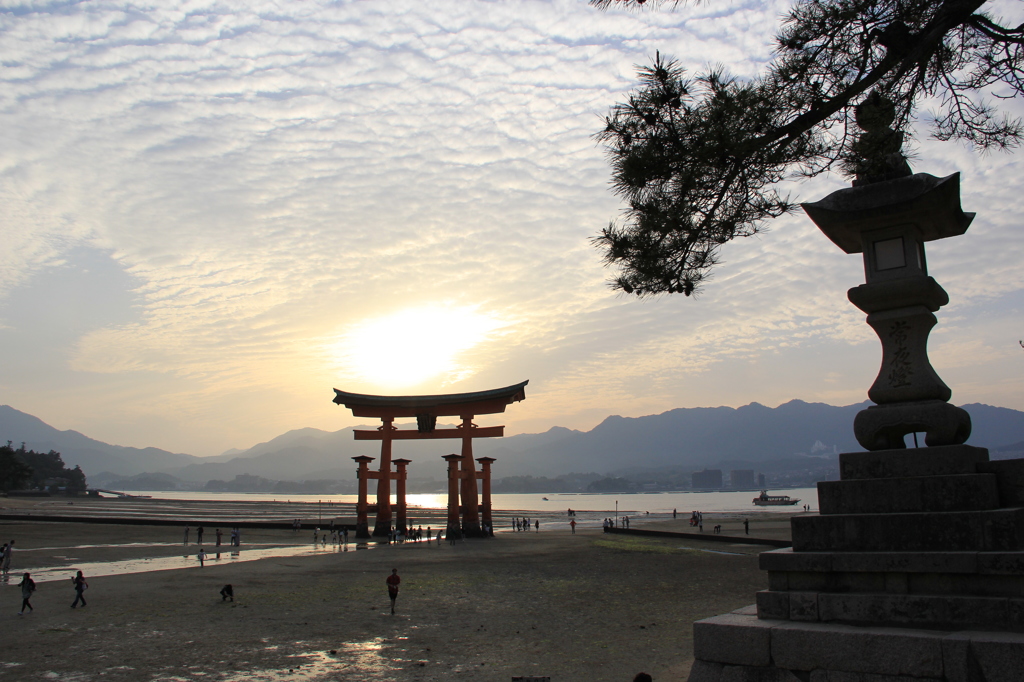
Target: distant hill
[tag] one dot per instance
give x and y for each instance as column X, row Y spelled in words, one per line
column 92, row 455
column 751, row 436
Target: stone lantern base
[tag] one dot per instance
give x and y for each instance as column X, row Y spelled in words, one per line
column 914, row 570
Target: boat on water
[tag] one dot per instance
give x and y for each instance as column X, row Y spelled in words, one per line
column 766, row 500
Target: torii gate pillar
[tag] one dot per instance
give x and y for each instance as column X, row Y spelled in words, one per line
column 485, row 493
column 401, row 520
column 363, row 476
column 470, row 509
column 382, row 528
column 453, row 493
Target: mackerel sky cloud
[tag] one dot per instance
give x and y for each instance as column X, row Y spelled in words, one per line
column 206, row 205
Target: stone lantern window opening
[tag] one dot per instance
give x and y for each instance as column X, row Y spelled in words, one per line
column 893, row 253
column 889, row 254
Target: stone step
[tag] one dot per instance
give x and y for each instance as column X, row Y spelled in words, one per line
column 1009, row 474
column 982, row 563
column 971, row 584
column 907, row 462
column 950, row 492
column 901, row 610
column 997, row 530
column 739, row 647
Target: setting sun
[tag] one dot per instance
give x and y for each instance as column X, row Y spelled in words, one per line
column 414, row 345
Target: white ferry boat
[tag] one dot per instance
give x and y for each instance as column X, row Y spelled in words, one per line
column 766, row 500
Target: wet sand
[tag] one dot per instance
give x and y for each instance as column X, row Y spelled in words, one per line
column 587, row 606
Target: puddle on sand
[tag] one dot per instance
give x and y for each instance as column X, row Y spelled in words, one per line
column 715, row 551
column 351, row 660
column 42, row 574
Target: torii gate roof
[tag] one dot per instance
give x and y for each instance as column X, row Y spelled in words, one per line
column 447, row 405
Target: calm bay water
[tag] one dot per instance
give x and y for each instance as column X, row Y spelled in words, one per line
column 655, row 503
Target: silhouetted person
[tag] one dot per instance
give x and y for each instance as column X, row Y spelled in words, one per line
column 28, row 586
column 393, row 582
column 227, row 592
column 80, row 587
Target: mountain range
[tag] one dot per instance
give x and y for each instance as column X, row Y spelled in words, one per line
column 752, row 436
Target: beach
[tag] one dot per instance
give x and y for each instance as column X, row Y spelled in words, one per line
column 589, row 606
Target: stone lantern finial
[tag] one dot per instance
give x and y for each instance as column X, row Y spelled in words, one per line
column 877, row 155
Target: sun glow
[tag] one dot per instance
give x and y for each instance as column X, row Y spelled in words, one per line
column 414, row 345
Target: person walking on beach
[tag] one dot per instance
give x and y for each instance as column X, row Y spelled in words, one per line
column 28, row 586
column 393, row 582
column 80, row 586
column 199, row 535
column 202, row 557
column 572, row 524
column 186, row 536
column 536, row 525
column 218, row 537
column 8, row 551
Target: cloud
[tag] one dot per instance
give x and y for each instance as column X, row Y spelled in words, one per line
column 268, row 176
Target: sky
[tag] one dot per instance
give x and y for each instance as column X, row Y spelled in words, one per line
column 212, row 213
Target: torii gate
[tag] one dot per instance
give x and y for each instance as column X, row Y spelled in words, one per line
column 426, row 409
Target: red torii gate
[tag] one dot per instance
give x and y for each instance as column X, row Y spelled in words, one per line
column 426, row 409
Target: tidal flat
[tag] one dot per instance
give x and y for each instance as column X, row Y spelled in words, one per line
column 588, row 606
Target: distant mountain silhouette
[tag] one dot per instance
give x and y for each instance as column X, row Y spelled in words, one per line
column 685, row 438
column 92, row 455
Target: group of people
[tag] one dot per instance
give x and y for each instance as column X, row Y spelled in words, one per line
column 28, row 587
column 525, row 524
column 337, row 537
column 411, row 534
column 617, row 522
column 236, row 536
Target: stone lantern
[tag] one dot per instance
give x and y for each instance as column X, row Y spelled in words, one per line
column 889, row 223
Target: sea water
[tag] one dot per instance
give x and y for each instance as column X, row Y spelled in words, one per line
column 626, row 503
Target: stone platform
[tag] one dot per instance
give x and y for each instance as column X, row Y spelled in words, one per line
column 914, row 570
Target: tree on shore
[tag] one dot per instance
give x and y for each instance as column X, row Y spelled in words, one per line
column 698, row 160
column 13, row 472
column 43, row 470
